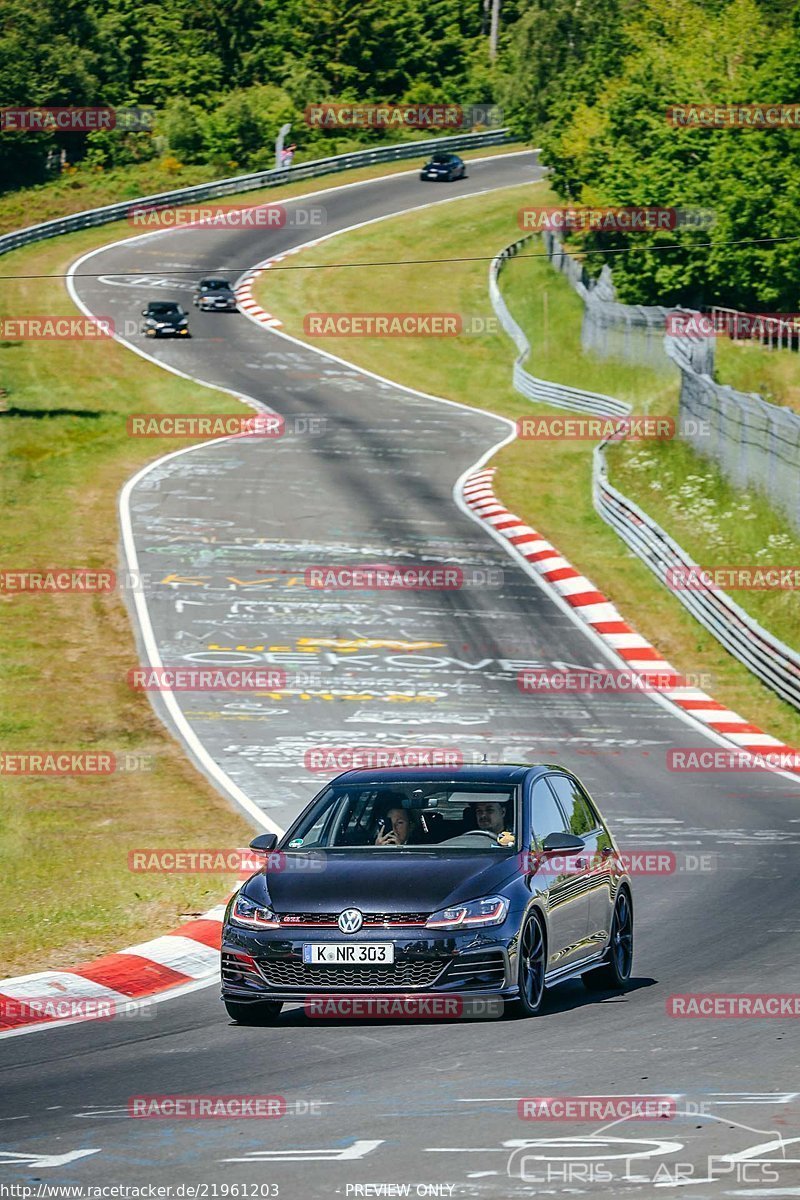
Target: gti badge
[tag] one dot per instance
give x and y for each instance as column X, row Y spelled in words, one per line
column 350, row 921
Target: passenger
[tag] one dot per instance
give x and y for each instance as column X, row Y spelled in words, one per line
column 404, row 828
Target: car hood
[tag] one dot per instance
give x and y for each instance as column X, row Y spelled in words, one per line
column 381, row 881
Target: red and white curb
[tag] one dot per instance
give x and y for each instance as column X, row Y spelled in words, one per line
column 599, row 614
column 113, row 985
column 244, row 288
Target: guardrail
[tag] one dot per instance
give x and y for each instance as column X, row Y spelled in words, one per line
column 529, row 385
column 252, row 182
column 774, row 663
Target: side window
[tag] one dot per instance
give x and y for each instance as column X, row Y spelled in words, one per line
column 546, row 816
column 580, row 818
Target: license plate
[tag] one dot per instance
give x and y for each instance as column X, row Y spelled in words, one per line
column 337, row 954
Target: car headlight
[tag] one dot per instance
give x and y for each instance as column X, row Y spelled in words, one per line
column 246, row 912
column 184, row 321
column 492, row 910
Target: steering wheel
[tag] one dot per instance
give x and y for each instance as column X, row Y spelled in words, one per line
column 470, row 833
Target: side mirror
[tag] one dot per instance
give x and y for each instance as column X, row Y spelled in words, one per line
column 144, row 312
column 264, row 842
column 567, row 843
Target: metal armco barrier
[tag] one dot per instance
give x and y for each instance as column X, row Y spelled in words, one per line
column 248, row 183
column 542, row 389
column 775, row 664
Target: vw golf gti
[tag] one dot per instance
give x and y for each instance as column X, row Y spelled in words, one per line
column 492, row 880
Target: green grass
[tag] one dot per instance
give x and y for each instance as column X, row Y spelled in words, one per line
column 773, row 374
column 548, row 484
column 63, row 659
column 551, row 313
column 64, row 842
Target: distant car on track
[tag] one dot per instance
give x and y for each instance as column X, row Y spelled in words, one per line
column 165, row 318
column 444, row 166
column 498, row 881
column 215, row 295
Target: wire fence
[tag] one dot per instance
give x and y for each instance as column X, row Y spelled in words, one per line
column 755, row 443
column 634, row 332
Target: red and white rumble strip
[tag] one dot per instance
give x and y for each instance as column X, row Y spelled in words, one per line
column 110, row 986
column 244, row 290
column 593, row 608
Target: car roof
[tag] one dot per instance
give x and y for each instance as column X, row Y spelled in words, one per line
column 214, row 279
column 174, row 303
column 496, row 773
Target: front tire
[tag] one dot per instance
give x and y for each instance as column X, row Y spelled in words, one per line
column 531, row 966
column 614, row 975
column 262, row 1012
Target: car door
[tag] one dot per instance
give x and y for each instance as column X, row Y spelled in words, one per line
column 556, row 879
column 595, row 881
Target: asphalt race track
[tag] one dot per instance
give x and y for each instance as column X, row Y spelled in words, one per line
column 232, row 526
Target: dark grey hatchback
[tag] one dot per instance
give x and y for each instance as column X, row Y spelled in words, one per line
column 444, row 166
column 492, row 880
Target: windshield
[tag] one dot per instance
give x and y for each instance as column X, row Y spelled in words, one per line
column 442, row 158
column 163, row 309
column 215, row 285
column 475, row 817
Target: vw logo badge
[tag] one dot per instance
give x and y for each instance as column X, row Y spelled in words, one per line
column 350, row 921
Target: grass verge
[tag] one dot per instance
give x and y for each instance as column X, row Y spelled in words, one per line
column 548, row 484
column 64, row 455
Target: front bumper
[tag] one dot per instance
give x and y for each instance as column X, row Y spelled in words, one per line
column 260, row 966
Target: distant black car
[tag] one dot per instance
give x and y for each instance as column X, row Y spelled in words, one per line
column 215, row 295
column 165, row 318
column 444, row 166
column 495, row 880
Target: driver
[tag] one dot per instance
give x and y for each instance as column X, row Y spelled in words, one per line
column 491, row 817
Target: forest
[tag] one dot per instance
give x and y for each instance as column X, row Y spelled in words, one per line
column 591, row 84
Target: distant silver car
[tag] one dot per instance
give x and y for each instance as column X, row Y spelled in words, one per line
column 215, row 295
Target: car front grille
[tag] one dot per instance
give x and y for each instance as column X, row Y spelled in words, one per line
column 289, row 973
column 371, row 920
column 479, row 970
